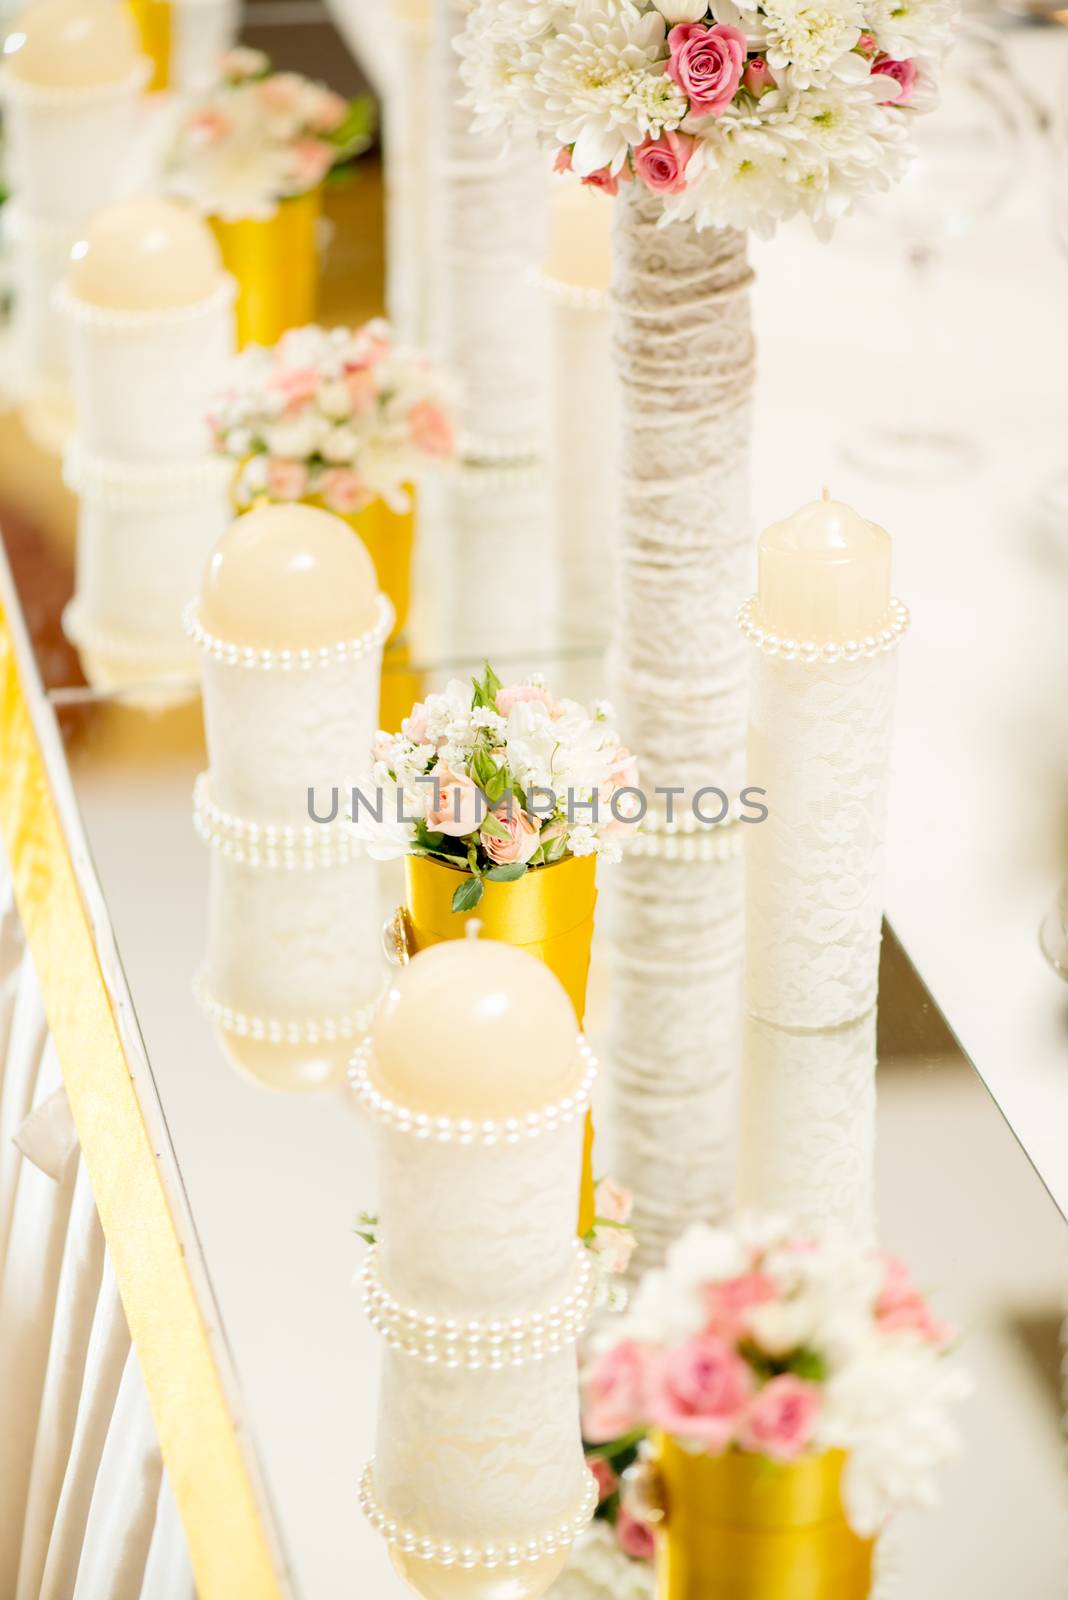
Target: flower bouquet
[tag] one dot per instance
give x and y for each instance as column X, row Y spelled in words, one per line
column 252, row 154
column 789, row 1393
column 346, row 419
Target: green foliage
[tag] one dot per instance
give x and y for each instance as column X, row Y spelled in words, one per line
column 467, row 896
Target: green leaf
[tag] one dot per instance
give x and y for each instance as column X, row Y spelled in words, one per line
column 508, row 872
column 428, row 840
column 497, row 786
column 808, row 1364
column 467, row 896
column 495, row 829
column 368, row 1229
column 491, row 683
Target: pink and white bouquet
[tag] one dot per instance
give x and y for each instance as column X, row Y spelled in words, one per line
column 754, row 1338
column 341, row 415
column 498, row 780
column 737, row 113
column 258, row 137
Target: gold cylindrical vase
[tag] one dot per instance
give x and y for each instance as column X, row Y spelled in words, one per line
column 548, row 912
column 739, row 1526
column 154, row 25
column 275, row 261
column 389, row 537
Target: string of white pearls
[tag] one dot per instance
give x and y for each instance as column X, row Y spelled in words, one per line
column 811, row 653
column 268, row 660
column 272, row 1030
column 267, row 844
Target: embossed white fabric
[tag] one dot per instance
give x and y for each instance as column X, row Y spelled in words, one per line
column 297, row 945
column 490, row 223
column 819, row 743
column 272, row 734
column 807, row 1142
column 674, row 1032
column 65, row 159
column 40, row 258
column 584, row 437
column 142, row 387
column 684, row 355
column 502, row 1238
column 483, row 1455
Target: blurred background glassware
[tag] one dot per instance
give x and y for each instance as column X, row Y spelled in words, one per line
column 1051, row 505
column 968, row 155
column 1053, row 934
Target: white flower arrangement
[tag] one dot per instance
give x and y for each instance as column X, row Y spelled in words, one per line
column 258, row 137
column 340, row 415
column 737, row 113
column 497, row 780
column 760, row 1339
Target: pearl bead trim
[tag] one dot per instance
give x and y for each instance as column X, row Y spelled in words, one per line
column 266, row 844
column 270, row 1030
column 481, row 1346
column 154, row 656
column 444, row 1553
column 65, row 97
column 117, row 483
column 328, row 655
column 811, row 653
column 715, row 843
column 576, row 297
column 464, row 1130
column 119, row 321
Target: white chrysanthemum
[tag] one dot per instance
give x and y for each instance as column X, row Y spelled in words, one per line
column 907, row 28
column 811, row 36
column 598, row 1568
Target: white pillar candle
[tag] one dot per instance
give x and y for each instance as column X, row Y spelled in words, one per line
column 150, row 313
column 291, row 626
column 478, row 1083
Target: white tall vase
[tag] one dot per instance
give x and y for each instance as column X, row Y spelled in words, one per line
column 684, row 360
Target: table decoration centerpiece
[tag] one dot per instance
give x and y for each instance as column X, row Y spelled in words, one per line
column 342, row 418
column 789, row 1392
column 252, row 154
column 476, row 1082
column 702, row 121
column 71, row 86
column 823, row 631
column 149, row 312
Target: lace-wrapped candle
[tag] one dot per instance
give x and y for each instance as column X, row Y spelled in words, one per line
column 150, row 313
column 290, row 624
column 478, row 1083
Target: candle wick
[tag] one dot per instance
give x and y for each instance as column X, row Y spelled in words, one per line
column 473, row 929
column 826, row 492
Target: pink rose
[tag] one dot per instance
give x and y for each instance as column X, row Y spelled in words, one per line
column 297, row 385
column 902, row 72
column 607, row 1481
column 707, row 64
column 729, row 1303
column 281, row 92
column 635, row 1538
column 901, row 1308
column 206, row 127
column 522, row 694
column 362, row 391
column 286, row 480
column 563, row 159
column 781, row 1418
column 606, row 180
column 613, row 1393
column 866, row 45
column 612, row 1202
column 432, row 431
column 699, row 1390
column 758, row 77
column 414, row 725
column 661, row 163
column 523, row 836
column 309, row 161
column 328, row 111
column 456, row 805
column 344, row 490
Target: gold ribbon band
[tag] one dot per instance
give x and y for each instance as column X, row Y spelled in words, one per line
column 740, row 1527
column 276, row 263
column 548, row 912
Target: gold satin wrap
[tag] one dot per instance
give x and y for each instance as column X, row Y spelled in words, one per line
column 389, row 537
column 548, row 912
column 741, row 1527
column 276, row 264
column 154, row 21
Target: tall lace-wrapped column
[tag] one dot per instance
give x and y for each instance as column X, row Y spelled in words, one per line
column 407, row 139
column 684, row 356
column 490, row 222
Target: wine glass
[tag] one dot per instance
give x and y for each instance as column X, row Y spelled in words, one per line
column 968, row 154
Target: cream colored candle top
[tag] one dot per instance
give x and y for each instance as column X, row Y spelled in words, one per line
column 72, row 44
column 580, row 234
column 289, row 577
column 145, row 255
column 824, row 574
column 475, row 1028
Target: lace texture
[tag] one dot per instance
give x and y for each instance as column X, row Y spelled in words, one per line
column 819, row 743
column 807, row 1147
column 470, row 1231
column 480, row 1456
column 144, row 396
column 272, row 735
column 67, row 156
column 490, row 226
column 293, row 945
column 408, row 138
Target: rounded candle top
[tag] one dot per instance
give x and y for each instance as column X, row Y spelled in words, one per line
column 824, row 574
column 580, row 235
column 72, row 44
column 475, row 1028
column 145, row 255
column 289, row 577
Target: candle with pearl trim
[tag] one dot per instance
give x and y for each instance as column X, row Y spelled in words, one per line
column 823, row 629
column 476, row 1082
